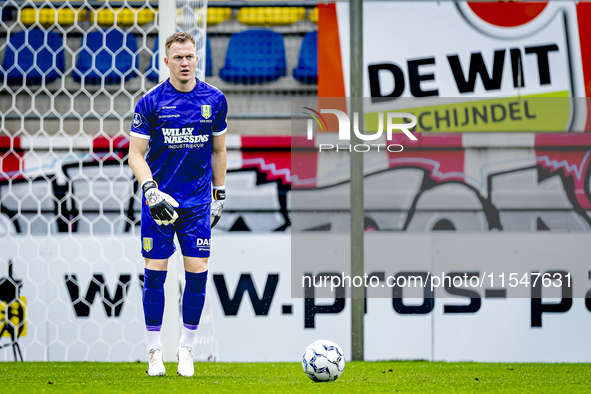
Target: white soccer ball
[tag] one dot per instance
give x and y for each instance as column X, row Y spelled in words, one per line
column 323, row 361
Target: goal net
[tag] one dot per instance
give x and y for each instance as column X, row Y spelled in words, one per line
column 71, row 270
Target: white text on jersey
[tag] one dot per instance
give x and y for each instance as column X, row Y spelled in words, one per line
column 184, row 135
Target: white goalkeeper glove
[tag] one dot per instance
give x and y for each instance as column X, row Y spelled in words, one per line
column 217, row 205
column 161, row 204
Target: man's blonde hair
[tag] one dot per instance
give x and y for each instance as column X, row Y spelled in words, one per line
column 180, row 38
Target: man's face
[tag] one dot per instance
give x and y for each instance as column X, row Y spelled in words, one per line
column 182, row 60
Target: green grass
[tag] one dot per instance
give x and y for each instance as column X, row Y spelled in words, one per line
column 359, row 377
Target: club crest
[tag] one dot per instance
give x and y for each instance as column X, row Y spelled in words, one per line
column 148, row 244
column 206, row 111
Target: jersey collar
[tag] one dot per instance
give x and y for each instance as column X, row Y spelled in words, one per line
column 195, row 88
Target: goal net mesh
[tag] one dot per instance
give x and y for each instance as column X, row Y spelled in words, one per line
column 71, row 270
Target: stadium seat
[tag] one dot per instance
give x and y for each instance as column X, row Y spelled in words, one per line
column 307, row 69
column 186, row 16
column 8, row 14
column 115, row 40
column 47, row 16
column 45, row 64
column 126, row 17
column 216, row 15
column 272, row 16
column 254, row 56
column 314, row 15
column 153, row 70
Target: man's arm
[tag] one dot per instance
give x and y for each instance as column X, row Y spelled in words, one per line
column 137, row 162
column 218, row 160
column 218, row 177
column 161, row 204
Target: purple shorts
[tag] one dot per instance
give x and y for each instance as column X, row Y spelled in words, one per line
column 193, row 229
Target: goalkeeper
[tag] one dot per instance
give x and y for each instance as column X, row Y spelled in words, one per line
column 183, row 123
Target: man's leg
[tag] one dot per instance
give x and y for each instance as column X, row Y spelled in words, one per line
column 193, row 297
column 194, row 234
column 153, row 301
column 193, row 300
column 157, row 247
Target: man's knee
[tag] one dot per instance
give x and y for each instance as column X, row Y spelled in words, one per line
column 195, row 264
column 157, row 264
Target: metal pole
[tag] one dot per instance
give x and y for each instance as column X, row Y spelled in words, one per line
column 357, row 214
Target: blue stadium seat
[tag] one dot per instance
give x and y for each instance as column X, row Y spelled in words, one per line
column 307, row 69
column 254, row 56
column 92, row 43
column 26, row 60
column 153, row 71
column 8, row 14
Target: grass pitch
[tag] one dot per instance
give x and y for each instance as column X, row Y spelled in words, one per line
column 359, row 377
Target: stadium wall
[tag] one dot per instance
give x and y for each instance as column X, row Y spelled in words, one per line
column 458, row 182
column 83, row 301
column 70, row 265
column 469, row 182
column 74, row 292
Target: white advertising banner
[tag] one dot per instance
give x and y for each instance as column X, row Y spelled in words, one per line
column 81, row 299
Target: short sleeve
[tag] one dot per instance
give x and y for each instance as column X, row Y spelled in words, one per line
column 141, row 124
column 221, row 123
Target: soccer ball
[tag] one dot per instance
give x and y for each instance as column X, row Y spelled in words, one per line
column 323, row 361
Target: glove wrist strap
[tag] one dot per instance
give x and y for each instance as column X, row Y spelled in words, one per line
column 219, row 192
column 149, row 184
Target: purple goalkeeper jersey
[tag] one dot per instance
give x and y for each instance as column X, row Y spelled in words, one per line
column 180, row 126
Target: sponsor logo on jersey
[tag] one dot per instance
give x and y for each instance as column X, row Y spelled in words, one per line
column 183, row 136
column 148, row 244
column 169, row 107
column 203, row 243
column 137, row 120
column 206, row 111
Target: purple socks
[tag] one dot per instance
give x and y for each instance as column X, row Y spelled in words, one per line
column 153, row 298
column 193, row 298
